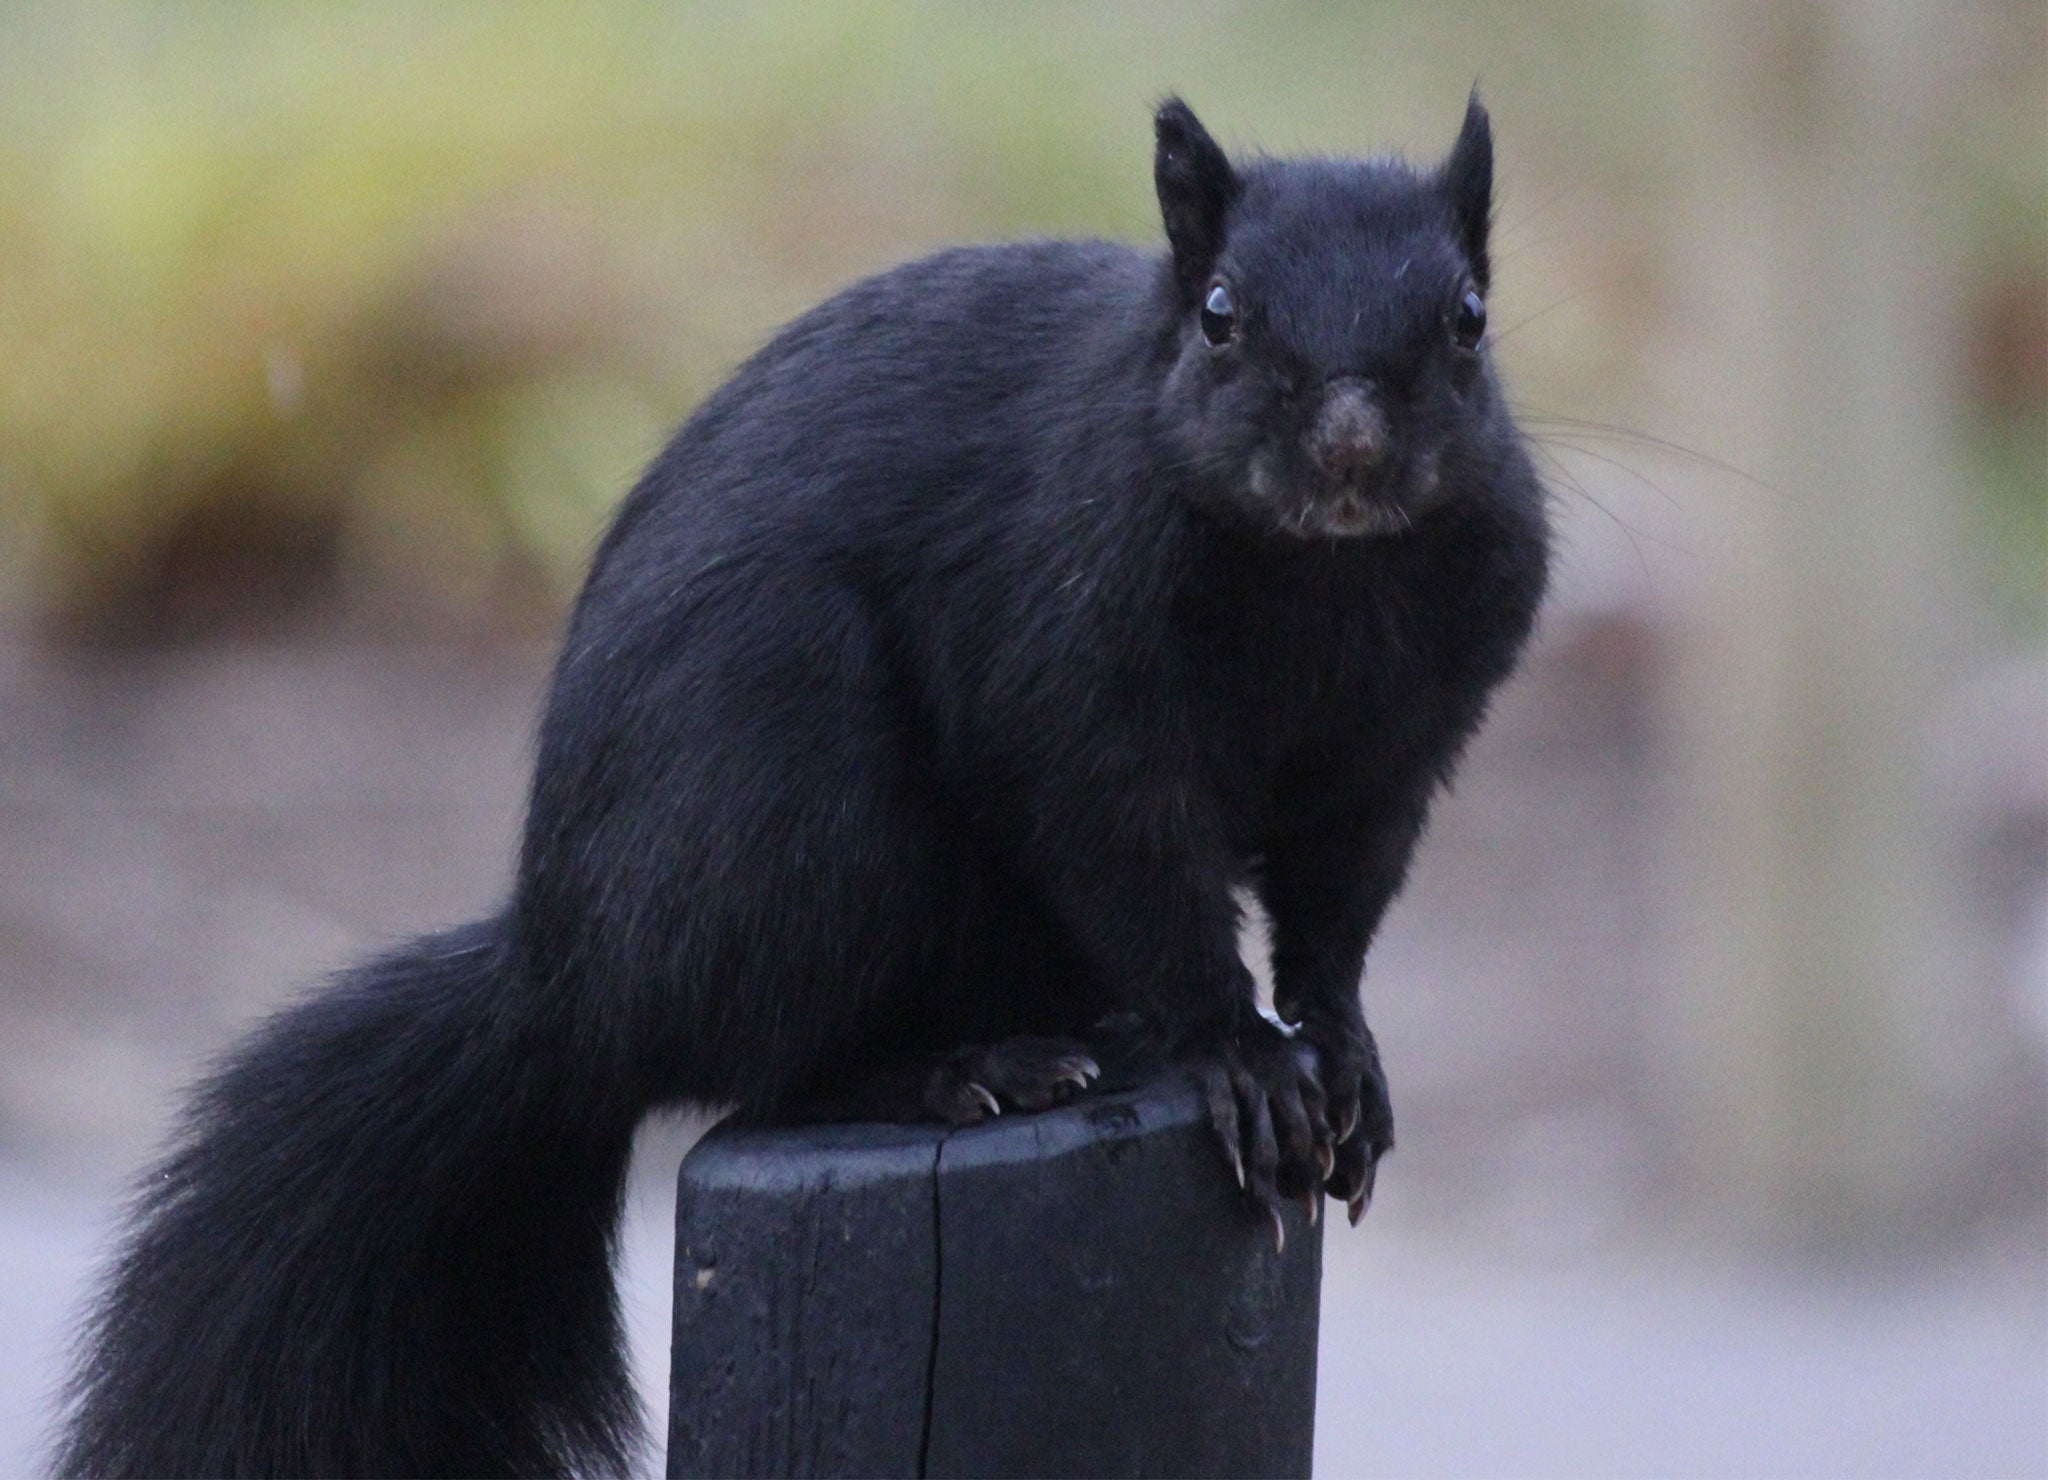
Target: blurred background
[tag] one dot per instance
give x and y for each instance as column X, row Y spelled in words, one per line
column 1717, row 1009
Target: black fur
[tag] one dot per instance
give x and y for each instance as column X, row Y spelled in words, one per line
column 1197, row 187
column 1467, row 178
column 937, row 684
column 384, row 1247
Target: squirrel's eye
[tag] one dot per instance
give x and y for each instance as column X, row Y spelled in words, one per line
column 1219, row 316
column 1471, row 320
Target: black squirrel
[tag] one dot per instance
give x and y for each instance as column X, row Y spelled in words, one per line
column 926, row 701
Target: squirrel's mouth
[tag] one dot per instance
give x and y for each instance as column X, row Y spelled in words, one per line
column 1387, row 503
column 1312, row 508
column 1352, row 514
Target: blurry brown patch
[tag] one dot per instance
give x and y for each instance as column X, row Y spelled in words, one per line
column 236, row 561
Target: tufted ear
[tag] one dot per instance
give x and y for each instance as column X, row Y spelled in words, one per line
column 1196, row 187
column 1466, row 180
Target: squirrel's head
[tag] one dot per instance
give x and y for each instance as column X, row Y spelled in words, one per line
column 1327, row 360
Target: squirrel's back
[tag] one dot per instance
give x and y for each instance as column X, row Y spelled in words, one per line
column 953, row 372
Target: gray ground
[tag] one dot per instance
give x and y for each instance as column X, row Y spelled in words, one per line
column 185, row 834
column 1447, row 1361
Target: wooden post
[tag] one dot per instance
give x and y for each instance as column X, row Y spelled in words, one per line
column 1081, row 1292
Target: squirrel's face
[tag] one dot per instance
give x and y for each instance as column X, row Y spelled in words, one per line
column 1328, row 374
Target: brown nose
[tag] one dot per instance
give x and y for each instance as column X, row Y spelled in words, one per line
column 1350, row 434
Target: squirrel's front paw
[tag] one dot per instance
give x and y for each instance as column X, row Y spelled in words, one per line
column 1269, row 1109
column 1360, row 1114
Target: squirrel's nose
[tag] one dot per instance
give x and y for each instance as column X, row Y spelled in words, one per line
column 1350, row 433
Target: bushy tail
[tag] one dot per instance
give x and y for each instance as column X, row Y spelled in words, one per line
column 381, row 1246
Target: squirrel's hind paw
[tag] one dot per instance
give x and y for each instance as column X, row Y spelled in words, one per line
column 971, row 1084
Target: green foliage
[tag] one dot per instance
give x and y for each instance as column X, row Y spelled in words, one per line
column 434, row 280
column 437, row 278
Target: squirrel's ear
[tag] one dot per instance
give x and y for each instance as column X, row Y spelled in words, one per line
column 1196, row 186
column 1467, row 180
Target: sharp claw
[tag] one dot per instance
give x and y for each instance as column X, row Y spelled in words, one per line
column 1350, row 1122
column 1237, row 1166
column 1362, row 1199
column 1076, row 1069
column 1325, row 1159
column 1279, row 1231
column 1312, row 1203
column 986, row 1100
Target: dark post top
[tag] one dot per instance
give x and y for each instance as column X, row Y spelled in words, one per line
column 1079, row 1292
